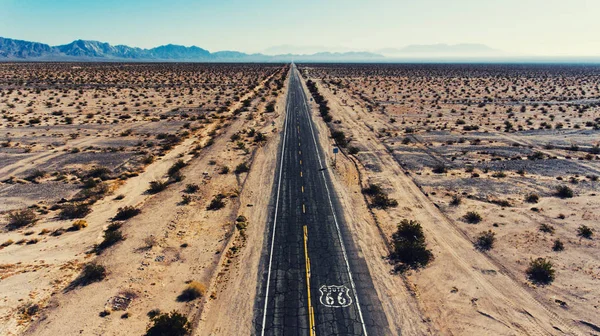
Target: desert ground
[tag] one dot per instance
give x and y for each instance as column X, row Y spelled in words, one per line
column 472, row 152
column 131, row 190
column 139, row 172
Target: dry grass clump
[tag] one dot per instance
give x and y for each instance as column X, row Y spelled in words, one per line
column 194, row 290
column 79, row 224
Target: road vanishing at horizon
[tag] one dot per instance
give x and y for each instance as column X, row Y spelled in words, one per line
column 312, row 278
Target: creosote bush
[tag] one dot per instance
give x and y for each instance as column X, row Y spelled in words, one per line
column 585, row 231
column 193, row 291
column 564, row 192
column 20, row 218
column 92, row 272
column 455, row 200
column 216, row 203
column 169, row 324
column 126, row 212
column 532, row 198
column 379, row 199
column 192, row 188
column 410, row 249
column 242, row 168
column 472, row 217
column 558, row 246
column 157, row 186
column 485, row 240
column 74, row 210
column 540, row 271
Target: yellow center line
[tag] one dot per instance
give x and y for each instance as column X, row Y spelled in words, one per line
column 302, row 188
column 311, row 311
column 300, row 161
column 300, row 174
column 303, row 208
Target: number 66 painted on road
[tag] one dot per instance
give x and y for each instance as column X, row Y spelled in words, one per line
column 335, row 296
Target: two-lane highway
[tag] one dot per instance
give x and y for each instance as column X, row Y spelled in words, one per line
column 313, row 281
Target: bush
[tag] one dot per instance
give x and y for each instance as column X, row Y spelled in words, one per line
column 440, row 168
column 102, row 173
column 532, row 198
column 242, row 168
column 176, row 167
column 191, row 188
column 126, row 212
column 372, row 189
column 472, row 217
column 485, row 240
column 20, row 218
column 540, row 271
column 216, row 203
column 409, row 246
column 35, row 175
column 79, row 224
column 157, row 186
column 558, row 246
column 111, row 237
column 173, row 324
column 455, row 200
column 92, row 272
column 564, row 192
column 546, row 228
column 379, row 199
column 193, row 291
column 74, row 210
column 224, row 170
column 585, row 232
column 353, row 150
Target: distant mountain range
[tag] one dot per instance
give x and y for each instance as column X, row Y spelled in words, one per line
column 94, row 51
column 81, row 50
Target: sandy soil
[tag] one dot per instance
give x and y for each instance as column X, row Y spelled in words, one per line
column 464, row 290
column 187, row 240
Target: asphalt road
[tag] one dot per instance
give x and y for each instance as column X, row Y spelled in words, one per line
column 313, row 281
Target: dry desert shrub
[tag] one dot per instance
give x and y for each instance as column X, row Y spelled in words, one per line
column 127, row 212
column 79, row 224
column 157, row 186
column 541, row 271
column 472, row 217
column 193, row 291
column 20, row 218
column 485, row 240
column 171, row 324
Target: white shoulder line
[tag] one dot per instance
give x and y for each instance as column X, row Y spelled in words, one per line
column 264, row 320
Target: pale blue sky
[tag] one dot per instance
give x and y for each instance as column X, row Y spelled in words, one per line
column 536, row 27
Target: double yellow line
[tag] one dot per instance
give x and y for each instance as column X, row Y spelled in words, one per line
column 311, row 311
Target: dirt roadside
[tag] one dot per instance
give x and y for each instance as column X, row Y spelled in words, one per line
column 231, row 310
column 186, row 241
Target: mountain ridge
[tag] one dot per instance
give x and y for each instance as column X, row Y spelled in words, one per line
column 78, row 50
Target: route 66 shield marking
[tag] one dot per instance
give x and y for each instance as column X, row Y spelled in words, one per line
column 335, row 296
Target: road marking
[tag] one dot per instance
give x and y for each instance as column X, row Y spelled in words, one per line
column 303, row 208
column 334, row 296
column 311, row 311
column 300, row 162
column 264, row 321
column 339, row 234
column 300, row 174
column 302, row 188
